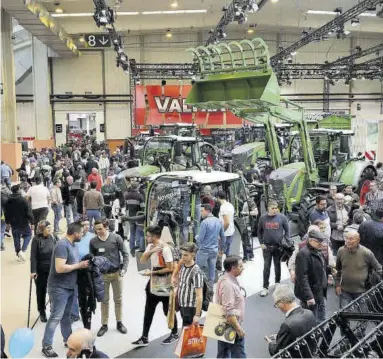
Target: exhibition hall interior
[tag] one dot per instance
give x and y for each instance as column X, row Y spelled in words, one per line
column 191, row 178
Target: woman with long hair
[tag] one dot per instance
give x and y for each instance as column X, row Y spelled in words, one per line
column 41, row 253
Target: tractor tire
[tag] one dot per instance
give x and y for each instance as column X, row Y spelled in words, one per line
column 307, row 205
column 366, row 177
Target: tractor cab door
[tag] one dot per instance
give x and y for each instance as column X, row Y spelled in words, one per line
column 169, row 203
column 237, row 195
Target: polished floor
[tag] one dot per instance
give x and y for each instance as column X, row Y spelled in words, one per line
column 14, row 305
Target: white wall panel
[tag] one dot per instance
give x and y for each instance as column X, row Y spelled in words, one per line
column 78, row 75
column 25, row 114
column 118, row 121
column 116, row 81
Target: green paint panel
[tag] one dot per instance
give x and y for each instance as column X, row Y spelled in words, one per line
column 247, row 89
column 336, row 122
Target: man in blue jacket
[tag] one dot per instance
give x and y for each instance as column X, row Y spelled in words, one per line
column 211, row 230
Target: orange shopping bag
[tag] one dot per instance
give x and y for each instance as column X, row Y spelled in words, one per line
column 191, row 342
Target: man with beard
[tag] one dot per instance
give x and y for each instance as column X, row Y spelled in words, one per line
column 62, row 282
column 320, row 212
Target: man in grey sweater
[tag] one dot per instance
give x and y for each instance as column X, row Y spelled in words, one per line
column 111, row 246
column 353, row 264
column 272, row 227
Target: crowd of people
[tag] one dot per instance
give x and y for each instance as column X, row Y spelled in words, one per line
column 77, row 268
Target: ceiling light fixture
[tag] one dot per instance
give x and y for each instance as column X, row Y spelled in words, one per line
column 133, row 13
column 293, row 53
column 355, row 22
column 174, row 4
column 169, row 35
column 274, row 1
column 81, row 39
column 323, row 12
column 250, row 30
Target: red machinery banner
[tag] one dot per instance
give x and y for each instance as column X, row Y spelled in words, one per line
column 166, row 104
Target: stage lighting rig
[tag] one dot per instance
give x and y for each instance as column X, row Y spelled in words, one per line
column 336, row 26
column 237, row 10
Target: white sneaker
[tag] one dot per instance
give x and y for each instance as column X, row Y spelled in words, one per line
column 22, row 256
column 264, row 292
column 19, row 258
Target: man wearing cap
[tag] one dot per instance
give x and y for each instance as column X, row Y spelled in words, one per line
column 311, row 275
column 211, row 230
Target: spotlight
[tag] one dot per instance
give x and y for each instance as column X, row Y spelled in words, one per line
column 358, row 49
column 169, row 35
column 274, row 1
column 174, row 4
column 355, row 22
column 163, row 82
column 338, row 11
column 59, row 10
column 81, row 39
column 250, row 30
column 293, row 53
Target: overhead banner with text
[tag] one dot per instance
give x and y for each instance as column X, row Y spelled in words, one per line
column 166, row 104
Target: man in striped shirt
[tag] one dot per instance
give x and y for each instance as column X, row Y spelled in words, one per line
column 374, row 198
column 189, row 281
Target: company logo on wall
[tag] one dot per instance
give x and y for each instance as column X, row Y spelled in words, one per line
column 156, row 105
column 59, row 128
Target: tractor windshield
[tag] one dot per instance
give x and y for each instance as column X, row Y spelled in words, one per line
column 157, row 150
column 169, row 203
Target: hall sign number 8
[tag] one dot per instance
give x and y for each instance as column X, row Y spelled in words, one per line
column 92, row 41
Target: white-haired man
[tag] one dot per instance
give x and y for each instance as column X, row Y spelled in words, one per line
column 81, row 343
column 298, row 321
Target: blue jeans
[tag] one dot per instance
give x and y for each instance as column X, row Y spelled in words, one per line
column 61, row 307
column 235, row 350
column 68, row 214
column 3, row 225
column 207, row 260
column 319, row 309
column 92, row 214
column 17, row 233
column 227, row 245
column 136, row 239
column 346, row 298
column 75, row 307
column 57, row 210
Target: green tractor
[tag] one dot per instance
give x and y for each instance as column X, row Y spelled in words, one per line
column 238, row 77
column 174, row 199
column 334, row 158
column 179, row 129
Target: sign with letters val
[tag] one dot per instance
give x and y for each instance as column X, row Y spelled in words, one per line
column 94, row 41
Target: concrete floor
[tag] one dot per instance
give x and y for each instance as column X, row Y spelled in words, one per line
column 14, row 303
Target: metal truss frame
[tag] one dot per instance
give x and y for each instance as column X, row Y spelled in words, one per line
column 317, row 343
column 229, row 14
column 349, row 60
column 317, row 35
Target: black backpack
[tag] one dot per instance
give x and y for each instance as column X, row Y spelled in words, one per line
column 207, row 292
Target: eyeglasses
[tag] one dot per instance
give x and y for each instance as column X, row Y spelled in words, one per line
column 276, row 303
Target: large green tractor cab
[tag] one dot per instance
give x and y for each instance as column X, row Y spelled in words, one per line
column 169, row 153
column 174, row 199
column 334, row 157
column 238, row 76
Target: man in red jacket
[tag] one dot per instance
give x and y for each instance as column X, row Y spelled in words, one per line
column 95, row 177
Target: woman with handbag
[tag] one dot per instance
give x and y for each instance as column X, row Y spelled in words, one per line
column 41, row 253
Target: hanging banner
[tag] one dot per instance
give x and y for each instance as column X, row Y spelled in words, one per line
column 157, row 105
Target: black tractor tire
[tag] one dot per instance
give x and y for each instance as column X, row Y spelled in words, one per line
column 307, row 205
column 368, row 174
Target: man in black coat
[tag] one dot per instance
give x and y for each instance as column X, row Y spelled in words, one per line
column 311, row 276
column 298, row 321
column 91, row 163
column 18, row 214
